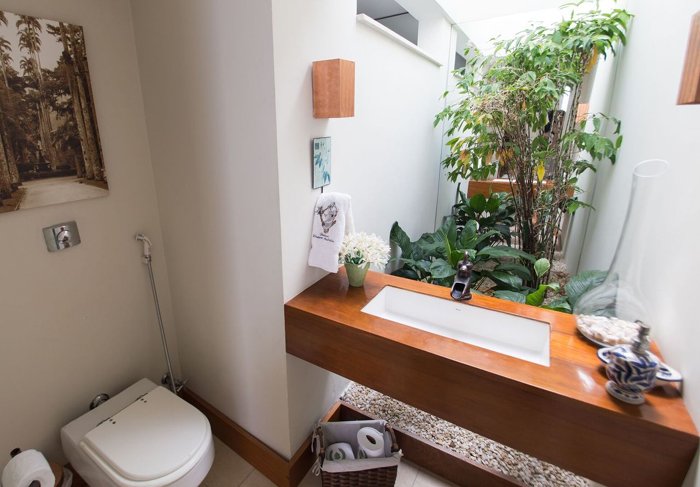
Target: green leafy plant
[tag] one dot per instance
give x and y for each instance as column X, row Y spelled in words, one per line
column 434, row 256
column 518, row 110
column 495, row 212
column 574, row 289
column 577, row 286
column 533, row 297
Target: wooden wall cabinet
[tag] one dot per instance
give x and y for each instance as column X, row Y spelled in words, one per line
column 334, row 88
column 689, row 93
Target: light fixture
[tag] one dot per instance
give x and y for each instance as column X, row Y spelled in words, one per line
column 333, row 88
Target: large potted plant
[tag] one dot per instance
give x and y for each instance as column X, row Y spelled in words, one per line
column 519, row 111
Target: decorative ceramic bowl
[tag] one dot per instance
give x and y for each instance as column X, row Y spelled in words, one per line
column 630, row 373
column 666, row 373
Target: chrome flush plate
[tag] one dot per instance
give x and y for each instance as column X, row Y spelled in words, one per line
column 61, row 236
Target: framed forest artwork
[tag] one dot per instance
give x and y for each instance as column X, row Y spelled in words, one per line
column 49, row 142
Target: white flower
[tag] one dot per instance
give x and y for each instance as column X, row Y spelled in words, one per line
column 360, row 248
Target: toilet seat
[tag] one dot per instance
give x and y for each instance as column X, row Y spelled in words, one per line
column 151, row 443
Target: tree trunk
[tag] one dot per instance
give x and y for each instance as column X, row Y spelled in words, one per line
column 44, row 132
column 89, row 134
column 83, row 83
column 9, row 155
column 4, row 73
column 93, row 114
column 81, row 166
column 5, row 178
column 8, row 152
column 45, row 127
column 92, row 166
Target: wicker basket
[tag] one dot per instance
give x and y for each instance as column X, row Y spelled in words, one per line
column 376, row 477
column 371, row 477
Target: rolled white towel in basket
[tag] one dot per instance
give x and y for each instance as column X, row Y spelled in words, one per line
column 340, row 451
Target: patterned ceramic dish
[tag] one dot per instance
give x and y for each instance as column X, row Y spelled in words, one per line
column 631, row 370
column 665, row 372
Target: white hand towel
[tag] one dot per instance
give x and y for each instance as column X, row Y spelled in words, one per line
column 332, row 220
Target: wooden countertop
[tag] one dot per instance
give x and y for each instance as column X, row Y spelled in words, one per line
column 561, row 413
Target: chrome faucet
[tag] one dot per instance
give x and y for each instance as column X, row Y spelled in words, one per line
column 461, row 287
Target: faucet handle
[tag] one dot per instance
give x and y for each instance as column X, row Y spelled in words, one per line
column 462, row 283
column 465, row 266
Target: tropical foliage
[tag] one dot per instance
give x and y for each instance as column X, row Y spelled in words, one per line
column 573, row 290
column 434, row 256
column 519, row 111
column 500, row 270
column 493, row 212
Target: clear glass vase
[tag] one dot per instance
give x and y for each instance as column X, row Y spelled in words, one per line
column 620, row 297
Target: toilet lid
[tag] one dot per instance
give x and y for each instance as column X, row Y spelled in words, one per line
column 152, row 437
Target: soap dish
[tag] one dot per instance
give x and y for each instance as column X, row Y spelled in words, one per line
column 665, row 373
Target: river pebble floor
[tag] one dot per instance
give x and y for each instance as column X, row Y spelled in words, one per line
column 525, row 468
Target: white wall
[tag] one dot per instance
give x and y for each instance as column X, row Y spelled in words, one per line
column 81, row 321
column 655, row 127
column 447, row 190
column 386, row 157
column 237, row 229
column 598, row 102
column 207, row 77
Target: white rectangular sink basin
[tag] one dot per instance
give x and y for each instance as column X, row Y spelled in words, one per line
column 519, row 337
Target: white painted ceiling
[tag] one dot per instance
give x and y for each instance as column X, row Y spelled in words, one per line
column 484, row 20
column 482, row 32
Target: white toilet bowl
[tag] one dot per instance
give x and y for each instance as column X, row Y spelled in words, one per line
column 145, row 436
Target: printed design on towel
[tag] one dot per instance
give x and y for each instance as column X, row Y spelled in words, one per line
column 328, row 215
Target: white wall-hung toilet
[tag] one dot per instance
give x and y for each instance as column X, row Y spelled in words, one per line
column 145, row 436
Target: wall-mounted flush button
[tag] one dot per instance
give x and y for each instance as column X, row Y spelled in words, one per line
column 61, row 236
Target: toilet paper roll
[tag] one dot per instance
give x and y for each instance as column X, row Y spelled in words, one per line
column 27, row 467
column 340, row 451
column 371, row 443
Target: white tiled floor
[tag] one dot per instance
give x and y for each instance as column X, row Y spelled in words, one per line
column 230, row 470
